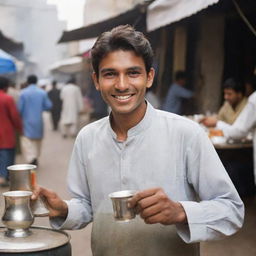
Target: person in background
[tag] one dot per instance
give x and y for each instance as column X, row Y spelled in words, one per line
column 10, row 122
column 72, row 105
column 235, row 102
column 32, row 102
column 244, row 124
column 176, row 94
column 54, row 95
column 182, row 186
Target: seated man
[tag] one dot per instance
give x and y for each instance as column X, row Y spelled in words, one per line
column 234, row 103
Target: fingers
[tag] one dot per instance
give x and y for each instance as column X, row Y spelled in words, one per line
column 145, row 194
column 36, row 192
column 41, row 191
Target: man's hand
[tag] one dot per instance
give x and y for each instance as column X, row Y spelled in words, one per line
column 154, row 206
column 210, row 121
column 56, row 206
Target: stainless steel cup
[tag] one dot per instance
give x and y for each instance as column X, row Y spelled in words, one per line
column 17, row 215
column 20, row 176
column 120, row 207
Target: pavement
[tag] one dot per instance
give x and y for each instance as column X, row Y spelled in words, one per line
column 51, row 173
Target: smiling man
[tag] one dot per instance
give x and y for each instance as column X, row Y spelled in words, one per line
column 184, row 194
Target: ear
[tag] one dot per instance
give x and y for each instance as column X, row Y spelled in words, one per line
column 150, row 77
column 95, row 81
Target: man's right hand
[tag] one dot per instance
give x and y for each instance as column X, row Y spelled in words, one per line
column 56, row 206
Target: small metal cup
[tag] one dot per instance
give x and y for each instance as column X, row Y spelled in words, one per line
column 120, row 205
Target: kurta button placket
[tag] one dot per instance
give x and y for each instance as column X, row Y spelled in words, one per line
column 123, row 166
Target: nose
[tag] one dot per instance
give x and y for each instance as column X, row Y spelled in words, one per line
column 121, row 83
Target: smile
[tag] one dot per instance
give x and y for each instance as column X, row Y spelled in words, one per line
column 123, row 97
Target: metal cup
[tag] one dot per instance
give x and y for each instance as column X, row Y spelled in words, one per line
column 17, row 215
column 120, row 205
column 21, row 178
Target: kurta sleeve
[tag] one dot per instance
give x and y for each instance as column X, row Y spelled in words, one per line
column 219, row 211
column 79, row 207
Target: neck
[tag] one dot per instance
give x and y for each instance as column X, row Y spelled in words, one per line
column 122, row 123
column 236, row 104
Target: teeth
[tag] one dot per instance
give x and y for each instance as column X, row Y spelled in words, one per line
column 123, row 97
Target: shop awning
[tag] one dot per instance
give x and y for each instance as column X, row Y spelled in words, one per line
column 70, row 65
column 8, row 43
column 134, row 17
column 164, row 12
column 9, row 64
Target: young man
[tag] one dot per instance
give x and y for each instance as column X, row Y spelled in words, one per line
column 168, row 159
column 10, row 122
column 177, row 93
column 32, row 102
column 234, row 103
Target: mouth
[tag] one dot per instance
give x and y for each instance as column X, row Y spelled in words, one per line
column 123, row 97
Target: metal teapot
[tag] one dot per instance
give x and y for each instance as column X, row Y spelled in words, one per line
column 17, row 215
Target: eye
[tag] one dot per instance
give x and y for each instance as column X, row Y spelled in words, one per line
column 133, row 73
column 109, row 74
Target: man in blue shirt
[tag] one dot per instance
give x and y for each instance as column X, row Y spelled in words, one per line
column 32, row 102
column 176, row 93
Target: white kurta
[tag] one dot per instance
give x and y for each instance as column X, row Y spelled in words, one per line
column 163, row 150
column 72, row 104
column 245, row 123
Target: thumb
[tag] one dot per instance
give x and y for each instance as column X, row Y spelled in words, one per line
column 36, row 192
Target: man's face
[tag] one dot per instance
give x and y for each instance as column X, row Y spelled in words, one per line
column 123, row 81
column 232, row 97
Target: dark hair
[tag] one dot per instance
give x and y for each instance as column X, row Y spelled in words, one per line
column 4, row 83
column 180, row 75
column 123, row 37
column 232, row 83
column 32, row 79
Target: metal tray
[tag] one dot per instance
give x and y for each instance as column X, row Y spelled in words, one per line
column 41, row 239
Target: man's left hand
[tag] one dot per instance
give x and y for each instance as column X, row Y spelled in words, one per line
column 154, row 206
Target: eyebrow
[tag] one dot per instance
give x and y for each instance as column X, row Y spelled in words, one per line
column 104, row 70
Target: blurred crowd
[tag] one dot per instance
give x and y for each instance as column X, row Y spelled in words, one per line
column 21, row 117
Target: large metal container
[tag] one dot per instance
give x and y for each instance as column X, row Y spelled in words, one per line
column 42, row 242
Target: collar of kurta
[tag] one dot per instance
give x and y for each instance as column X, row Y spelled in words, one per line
column 140, row 127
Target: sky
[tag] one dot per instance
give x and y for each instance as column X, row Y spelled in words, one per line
column 70, row 11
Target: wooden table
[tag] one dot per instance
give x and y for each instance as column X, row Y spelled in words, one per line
column 237, row 158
